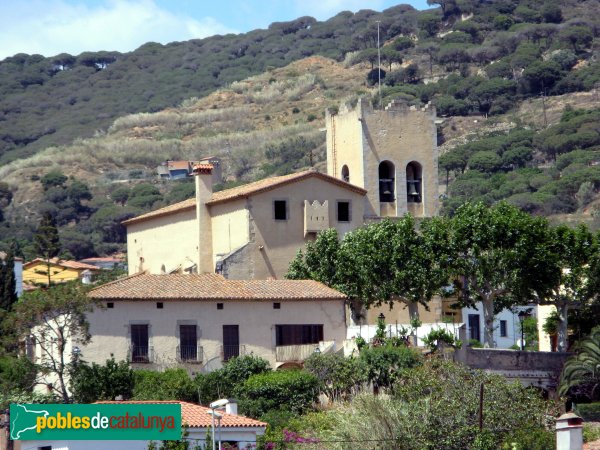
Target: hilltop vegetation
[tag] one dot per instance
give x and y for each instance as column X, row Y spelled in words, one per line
column 483, row 64
column 51, row 101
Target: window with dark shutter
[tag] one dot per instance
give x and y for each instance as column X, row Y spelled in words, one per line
column 280, row 209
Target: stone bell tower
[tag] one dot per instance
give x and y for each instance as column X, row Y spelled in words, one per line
column 391, row 153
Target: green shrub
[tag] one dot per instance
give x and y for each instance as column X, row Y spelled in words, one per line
column 291, row 390
column 338, row 376
column 172, row 384
column 591, row 432
column 102, row 382
column 590, row 412
column 221, row 383
column 385, row 365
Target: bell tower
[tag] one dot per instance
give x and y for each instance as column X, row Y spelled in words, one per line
column 392, row 153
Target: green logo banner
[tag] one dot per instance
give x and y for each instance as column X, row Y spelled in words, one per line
column 125, row 421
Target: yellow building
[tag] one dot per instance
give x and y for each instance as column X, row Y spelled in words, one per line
column 35, row 272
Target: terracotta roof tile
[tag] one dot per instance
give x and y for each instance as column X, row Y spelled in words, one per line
column 244, row 191
column 178, row 165
column 63, row 263
column 185, row 205
column 211, row 287
column 198, row 416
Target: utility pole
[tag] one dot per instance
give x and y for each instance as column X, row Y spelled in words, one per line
column 379, row 64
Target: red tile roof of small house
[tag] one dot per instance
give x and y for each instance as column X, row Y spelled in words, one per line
column 63, row 263
column 198, row 416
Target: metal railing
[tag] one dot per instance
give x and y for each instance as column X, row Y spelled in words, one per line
column 189, row 353
column 231, row 351
column 140, row 354
column 285, row 353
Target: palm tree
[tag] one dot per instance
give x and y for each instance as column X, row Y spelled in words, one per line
column 583, row 369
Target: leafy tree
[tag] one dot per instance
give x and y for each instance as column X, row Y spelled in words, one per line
column 386, row 365
column 580, row 372
column 429, row 24
column 449, row 7
column 339, row 377
column 16, row 374
column 485, row 162
column 46, row 241
column 552, row 13
column 436, row 406
column 541, row 75
column 102, row 382
column 222, row 382
column 574, row 269
column 406, row 270
column 291, row 390
column 120, row 195
column 53, row 178
column 578, row 36
column 53, row 317
column 172, row 384
column 500, row 258
column 402, row 43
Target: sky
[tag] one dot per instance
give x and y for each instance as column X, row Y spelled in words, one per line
column 50, row 27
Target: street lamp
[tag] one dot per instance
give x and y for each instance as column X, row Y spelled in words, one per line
column 522, row 316
column 217, row 404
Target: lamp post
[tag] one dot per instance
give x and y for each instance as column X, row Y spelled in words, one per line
column 522, row 315
column 217, row 404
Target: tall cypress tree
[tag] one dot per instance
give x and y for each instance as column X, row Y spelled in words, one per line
column 8, row 282
column 46, row 240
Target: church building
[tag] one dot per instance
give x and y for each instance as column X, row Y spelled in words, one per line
column 380, row 163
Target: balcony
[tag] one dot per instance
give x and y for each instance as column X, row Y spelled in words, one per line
column 287, row 353
column 231, row 351
column 191, row 354
column 139, row 354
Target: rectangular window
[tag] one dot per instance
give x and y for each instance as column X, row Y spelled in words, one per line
column 110, row 305
column 473, row 323
column 140, row 352
column 219, row 305
column 298, row 334
column 503, row 331
column 160, row 305
column 280, row 209
column 276, row 305
column 343, row 211
column 188, row 343
column 231, row 341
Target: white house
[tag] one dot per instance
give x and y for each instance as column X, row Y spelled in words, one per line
column 197, row 421
column 200, row 321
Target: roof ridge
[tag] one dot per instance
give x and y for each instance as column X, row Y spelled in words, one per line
column 110, row 283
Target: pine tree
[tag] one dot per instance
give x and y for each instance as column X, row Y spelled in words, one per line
column 46, row 240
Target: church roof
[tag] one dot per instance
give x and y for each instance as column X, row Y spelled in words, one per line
column 152, row 287
column 245, row 191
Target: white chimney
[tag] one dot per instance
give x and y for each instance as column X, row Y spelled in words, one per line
column 231, row 407
column 203, row 174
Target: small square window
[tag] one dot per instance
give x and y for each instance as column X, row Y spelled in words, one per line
column 343, row 211
column 159, row 305
column 280, row 209
column 219, row 305
column 276, row 305
column 110, row 305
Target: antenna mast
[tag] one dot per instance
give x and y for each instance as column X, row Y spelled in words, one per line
column 379, row 65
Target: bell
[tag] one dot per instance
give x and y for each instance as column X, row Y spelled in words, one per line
column 387, row 192
column 412, row 190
